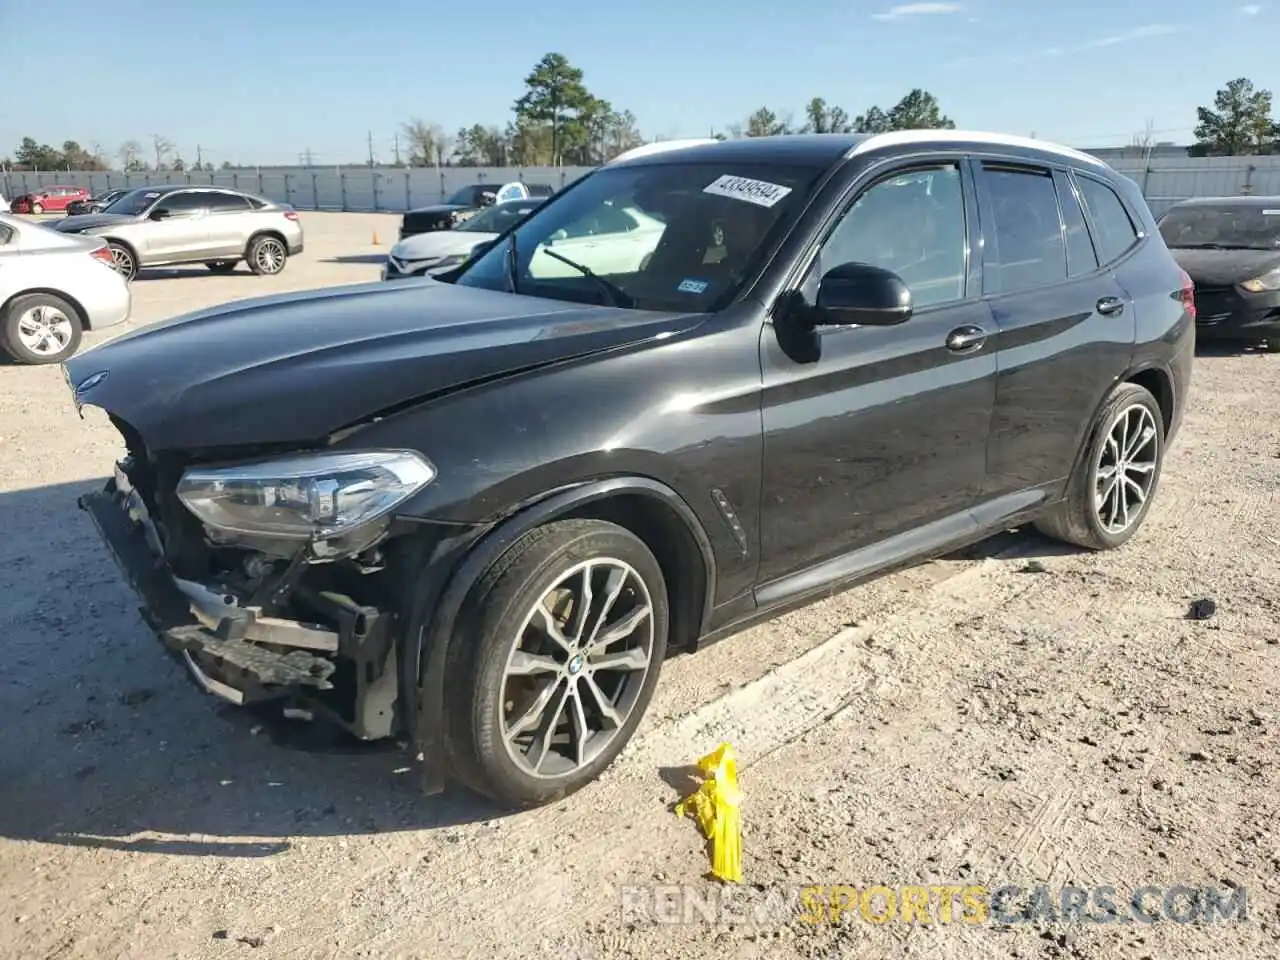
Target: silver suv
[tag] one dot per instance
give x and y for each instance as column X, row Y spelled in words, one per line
column 168, row 225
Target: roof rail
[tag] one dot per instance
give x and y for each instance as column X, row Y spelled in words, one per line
column 905, row 137
column 661, row 146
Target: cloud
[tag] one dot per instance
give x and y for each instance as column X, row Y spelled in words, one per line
column 917, row 10
column 1251, row 9
column 1138, row 33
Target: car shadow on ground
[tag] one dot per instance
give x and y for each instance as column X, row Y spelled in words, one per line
column 109, row 744
column 175, row 273
column 357, row 258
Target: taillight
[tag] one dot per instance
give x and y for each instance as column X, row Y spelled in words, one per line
column 290, row 215
column 103, row 255
column 1187, row 293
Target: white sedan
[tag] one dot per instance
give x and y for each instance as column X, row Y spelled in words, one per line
column 53, row 287
column 424, row 254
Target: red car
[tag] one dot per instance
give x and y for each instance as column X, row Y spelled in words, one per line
column 52, row 199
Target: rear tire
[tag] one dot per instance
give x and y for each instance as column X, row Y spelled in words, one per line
column 40, row 328
column 123, row 259
column 530, row 719
column 1116, row 478
column 222, row 266
column 37, row 208
column 266, row 255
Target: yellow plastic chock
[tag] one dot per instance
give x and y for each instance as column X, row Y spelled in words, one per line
column 716, row 805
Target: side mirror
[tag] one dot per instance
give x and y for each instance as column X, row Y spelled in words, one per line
column 860, row 294
column 161, row 213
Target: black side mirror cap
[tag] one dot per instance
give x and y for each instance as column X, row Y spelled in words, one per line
column 161, row 214
column 864, row 295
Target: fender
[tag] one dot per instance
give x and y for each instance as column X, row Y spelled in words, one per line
column 441, row 594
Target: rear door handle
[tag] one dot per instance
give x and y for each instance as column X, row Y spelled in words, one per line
column 966, row 339
column 1110, row 306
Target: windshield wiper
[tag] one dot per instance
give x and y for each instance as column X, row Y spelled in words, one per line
column 617, row 296
column 512, row 266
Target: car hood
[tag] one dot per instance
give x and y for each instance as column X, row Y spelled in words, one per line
column 294, row 368
column 1222, row 268
column 89, row 221
column 441, row 243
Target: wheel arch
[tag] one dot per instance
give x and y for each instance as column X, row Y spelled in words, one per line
column 133, row 250
column 1151, row 376
column 81, row 314
column 271, row 232
column 649, row 509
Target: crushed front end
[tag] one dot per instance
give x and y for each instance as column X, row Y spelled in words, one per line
column 258, row 615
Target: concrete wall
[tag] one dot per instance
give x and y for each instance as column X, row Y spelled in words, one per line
column 1164, row 181
column 349, row 188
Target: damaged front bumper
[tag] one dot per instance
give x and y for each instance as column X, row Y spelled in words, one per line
column 236, row 651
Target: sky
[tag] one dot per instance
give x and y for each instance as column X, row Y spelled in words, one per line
column 251, row 81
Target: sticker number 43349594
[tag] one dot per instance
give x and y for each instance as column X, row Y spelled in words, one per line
column 760, row 192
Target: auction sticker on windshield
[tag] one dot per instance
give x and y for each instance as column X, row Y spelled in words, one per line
column 760, row 192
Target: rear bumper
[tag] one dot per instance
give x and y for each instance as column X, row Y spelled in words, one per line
column 230, row 651
column 110, row 305
column 296, row 246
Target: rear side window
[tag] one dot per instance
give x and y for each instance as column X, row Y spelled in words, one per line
column 1028, row 249
column 1115, row 232
column 1081, row 257
column 221, row 202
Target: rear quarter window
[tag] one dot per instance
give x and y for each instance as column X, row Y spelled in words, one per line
column 1114, row 230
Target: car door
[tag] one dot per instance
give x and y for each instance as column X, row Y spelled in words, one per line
column 1065, row 326
column 229, row 223
column 177, row 227
column 872, row 432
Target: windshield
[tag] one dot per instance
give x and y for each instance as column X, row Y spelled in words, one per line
column 1234, row 226
column 681, row 236
column 497, row 218
column 132, row 203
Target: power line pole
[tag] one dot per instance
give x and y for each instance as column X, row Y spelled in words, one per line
column 371, row 148
column 396, row 148
column 199, row 157
column 305, row 157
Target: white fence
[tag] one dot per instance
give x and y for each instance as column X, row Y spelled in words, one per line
column 348, row 188
column 1164, row 181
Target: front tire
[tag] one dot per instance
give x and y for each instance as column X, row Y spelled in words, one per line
column 266, row 256
column 557, row 656
column 123, row 259
column 37, row 208
column 40, row 328
column 1111, row 490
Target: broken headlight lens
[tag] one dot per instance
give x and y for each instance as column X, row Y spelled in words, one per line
column 307, row 497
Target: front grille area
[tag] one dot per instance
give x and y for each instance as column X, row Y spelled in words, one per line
column 1216, row 304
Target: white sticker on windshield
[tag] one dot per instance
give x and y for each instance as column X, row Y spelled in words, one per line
column 1271, row 213
column 759, row 192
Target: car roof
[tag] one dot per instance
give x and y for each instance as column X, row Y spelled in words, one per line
column 825, row 149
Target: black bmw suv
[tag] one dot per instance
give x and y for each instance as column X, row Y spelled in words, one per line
column 478, row 511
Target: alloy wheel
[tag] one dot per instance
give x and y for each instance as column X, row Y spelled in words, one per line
column 577, row 668
column 122, row 260
column 45, row 331
column 270, row 256
column 1126, row 468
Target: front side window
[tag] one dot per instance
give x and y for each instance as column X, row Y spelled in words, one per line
column 1232, row 226
column 912, row 224
column 179, row 204
column 664, row 236
column 135, row 203
column 1025, row 249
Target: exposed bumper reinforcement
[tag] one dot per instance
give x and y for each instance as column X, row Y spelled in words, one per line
column 220, row 656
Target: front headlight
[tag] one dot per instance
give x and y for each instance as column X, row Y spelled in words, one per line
column 450, row 261
column 307, row 497
column 1266, row 283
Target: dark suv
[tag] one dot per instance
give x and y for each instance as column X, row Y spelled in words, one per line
column 477, row 512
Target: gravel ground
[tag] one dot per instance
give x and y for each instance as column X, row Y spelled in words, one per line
column 1021, row 714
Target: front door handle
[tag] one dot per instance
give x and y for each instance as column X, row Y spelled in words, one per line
column 1110, row 306
column 966, row 339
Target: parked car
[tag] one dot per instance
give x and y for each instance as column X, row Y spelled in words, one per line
column 478, row 512
column 465, row 203
column 162, row 226
column 97, row 203
column 430, row 253
column 53, row 288
column 1230, row 247
column 53, row 199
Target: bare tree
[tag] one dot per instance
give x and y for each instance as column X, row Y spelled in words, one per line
column 130, row 154
column 1145, row 139
column 163, row 146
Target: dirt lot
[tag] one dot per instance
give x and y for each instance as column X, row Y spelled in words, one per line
column 978, row 720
